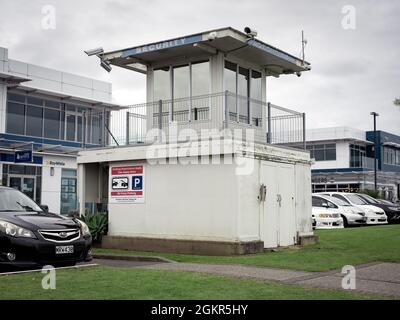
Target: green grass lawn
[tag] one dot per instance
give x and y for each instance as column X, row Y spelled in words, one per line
column 126, row 283
column 336, row 248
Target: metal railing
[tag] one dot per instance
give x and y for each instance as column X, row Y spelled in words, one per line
column 271, row 123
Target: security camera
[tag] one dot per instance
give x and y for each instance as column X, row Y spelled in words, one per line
column 105, row 65
column 250, row 32
column 93, row 52
column 298, row 74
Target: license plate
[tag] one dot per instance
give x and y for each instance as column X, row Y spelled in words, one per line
column 64, row 249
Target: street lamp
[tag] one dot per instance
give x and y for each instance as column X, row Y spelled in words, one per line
column 374, row 114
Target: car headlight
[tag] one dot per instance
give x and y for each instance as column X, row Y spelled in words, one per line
column 84, row 228
column 13, row 230
column 394, row 208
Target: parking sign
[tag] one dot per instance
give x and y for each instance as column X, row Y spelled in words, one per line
column 126, row 184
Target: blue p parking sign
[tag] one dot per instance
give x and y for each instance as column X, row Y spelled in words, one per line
column 137, row 182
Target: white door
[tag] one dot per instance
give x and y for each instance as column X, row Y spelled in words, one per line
column 278, row 212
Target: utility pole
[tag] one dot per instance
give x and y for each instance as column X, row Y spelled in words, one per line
column 374, row 114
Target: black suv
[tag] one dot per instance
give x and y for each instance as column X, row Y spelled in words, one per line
column 31, row 237
column 392, row 210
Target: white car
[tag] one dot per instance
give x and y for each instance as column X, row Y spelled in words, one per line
column 324, row 218
column 351, row 215
column 373, row 214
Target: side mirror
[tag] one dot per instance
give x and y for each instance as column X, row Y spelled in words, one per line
column 325, row 205
column 44, row 207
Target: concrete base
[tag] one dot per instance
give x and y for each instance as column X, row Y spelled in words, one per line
column 307, row 240
column 210, row 248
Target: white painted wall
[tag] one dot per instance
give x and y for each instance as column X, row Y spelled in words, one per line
column 202, row 202
column 51, row 185
column 56, row 81
column 342, row 157
column 196, row 202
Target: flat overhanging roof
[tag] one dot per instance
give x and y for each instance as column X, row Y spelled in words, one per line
column 71, row 98
column 11, row 79
column 226, row 40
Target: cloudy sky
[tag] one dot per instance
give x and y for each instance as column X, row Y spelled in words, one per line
column 355, row 71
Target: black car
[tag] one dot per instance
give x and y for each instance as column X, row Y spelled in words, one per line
column 392, row 210
column 31, row 237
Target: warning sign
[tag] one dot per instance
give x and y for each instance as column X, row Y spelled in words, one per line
column 127, row 184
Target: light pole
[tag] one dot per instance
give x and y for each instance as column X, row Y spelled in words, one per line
column 374, row 114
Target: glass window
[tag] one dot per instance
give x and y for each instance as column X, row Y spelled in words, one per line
column 357, row 156
column 162, row 86
column 256, row 94
column 15, row 97
column 181, row 82
column 70, row 130
column 15, row 118
column 96, row 129
column 323, row 152
column 34, row 101
column 181, row 90
column 230, row 85
column 69, row 201
column 52, row 104
column 200, row 78
column 34, row 121
column 51, row 124
column 79, row 131
column 243, row 92
column 71, row 108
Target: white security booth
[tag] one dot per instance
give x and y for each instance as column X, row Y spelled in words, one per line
column 198, row 167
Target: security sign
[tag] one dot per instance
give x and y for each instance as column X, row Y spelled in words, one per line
column 126, row 184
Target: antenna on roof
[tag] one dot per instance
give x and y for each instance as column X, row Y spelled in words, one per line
column 303, row 46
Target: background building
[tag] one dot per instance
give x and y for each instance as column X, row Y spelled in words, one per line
column 51, row 114
column 344, row 160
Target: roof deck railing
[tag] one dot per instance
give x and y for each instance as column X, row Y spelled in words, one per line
column 272, row 124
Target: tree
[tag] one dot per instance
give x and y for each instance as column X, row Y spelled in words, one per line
column 397, row 102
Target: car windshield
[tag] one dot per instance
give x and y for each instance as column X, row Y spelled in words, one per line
column 14, row 200
column 369, row 198
column 337, row 201
column 353, row 198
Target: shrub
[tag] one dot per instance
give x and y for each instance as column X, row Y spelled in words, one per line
column 372, row 193
column 97, row 223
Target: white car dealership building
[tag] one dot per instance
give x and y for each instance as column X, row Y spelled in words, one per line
column 46, row 117
column 168, row 186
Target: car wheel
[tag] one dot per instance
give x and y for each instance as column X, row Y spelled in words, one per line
column 345, row 223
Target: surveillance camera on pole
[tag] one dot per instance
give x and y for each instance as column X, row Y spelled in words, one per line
column 94, row 52
column 250, row 32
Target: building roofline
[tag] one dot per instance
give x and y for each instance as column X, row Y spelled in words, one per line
column 205, row 33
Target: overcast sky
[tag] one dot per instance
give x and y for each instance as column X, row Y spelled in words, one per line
column 354, row 71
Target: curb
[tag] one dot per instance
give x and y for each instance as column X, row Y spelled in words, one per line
column 132, row 258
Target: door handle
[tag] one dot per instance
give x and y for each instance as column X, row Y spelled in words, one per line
column 279, row 199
